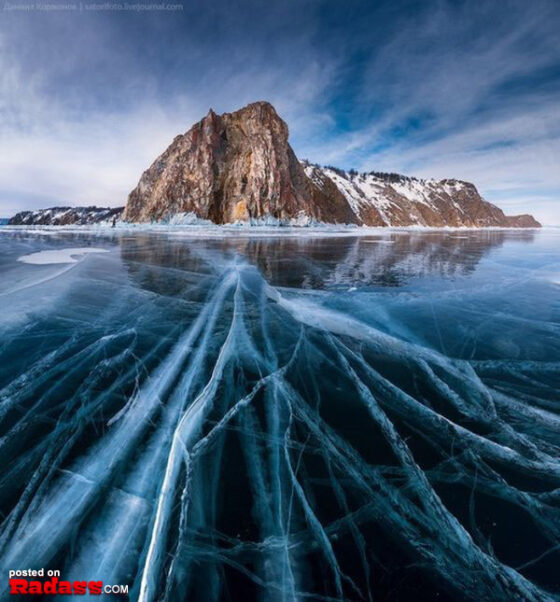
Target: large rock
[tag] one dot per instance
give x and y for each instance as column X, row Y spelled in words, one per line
column 234, row 167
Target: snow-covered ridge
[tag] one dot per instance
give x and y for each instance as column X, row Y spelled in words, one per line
column 63, row 216
column 390, row 199
column 383, row 191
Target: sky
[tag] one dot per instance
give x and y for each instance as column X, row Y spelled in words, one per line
column 91, row 94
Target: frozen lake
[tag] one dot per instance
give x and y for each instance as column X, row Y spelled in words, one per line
column 285, row 418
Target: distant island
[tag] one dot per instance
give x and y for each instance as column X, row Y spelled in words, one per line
column 239, row 167
column 66, row 216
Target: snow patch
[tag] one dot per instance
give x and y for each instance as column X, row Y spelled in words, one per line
column 59, row 255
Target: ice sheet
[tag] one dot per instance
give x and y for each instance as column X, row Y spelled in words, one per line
column 288, row 418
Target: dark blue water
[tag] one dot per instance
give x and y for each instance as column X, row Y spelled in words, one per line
column 284, row 417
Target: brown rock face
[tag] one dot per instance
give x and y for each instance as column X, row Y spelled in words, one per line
column 240, row 167
column 231, row 167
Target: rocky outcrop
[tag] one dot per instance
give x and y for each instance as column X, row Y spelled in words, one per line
column 239, row 167
column 65, row 216
column 234, row 167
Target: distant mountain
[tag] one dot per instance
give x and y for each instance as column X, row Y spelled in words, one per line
column 239, row 167
column 63, row 216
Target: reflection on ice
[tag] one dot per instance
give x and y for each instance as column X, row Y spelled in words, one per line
column 215, row 430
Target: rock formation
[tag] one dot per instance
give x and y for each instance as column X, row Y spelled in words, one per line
column 234, row 167
column 239, row 167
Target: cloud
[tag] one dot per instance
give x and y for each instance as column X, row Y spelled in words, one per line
column 71, row 143
column 468, row 91
column 54, row 154
column 435, row 89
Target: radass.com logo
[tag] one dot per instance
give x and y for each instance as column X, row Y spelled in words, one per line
column 43, row 582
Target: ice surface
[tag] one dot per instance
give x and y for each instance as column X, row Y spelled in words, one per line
column 286, row 418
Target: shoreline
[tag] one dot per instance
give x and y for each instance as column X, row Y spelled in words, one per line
column 245, row 230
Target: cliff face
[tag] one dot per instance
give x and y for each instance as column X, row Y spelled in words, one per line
column 234, row 167
column 64, row 216
column 239, row 167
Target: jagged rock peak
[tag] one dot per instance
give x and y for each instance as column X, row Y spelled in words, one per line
column 231, row 167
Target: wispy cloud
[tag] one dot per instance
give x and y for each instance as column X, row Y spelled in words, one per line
column 435, row 89
column 469, row 91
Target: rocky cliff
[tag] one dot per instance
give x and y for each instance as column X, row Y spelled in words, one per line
column 240, row 167
column 234, row 167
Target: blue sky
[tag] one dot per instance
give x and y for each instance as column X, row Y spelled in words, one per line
column 434, row 88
